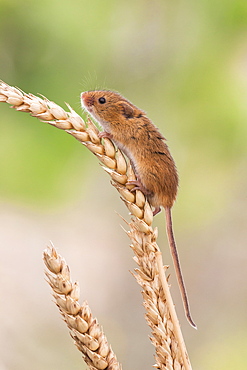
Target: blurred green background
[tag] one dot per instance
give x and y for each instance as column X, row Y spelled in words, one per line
column 185, row 64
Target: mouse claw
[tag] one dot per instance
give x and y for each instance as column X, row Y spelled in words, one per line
column 156, row 211
column 138, row 186
column 104, row 134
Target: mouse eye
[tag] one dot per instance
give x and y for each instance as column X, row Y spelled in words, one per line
column 102, row 100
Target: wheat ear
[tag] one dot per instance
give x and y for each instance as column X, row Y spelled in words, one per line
column 167, row 337
column 84, row 328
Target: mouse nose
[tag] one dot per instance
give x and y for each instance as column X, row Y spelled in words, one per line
column 87, row 99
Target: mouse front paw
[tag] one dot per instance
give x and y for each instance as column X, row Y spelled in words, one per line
column 104, row 134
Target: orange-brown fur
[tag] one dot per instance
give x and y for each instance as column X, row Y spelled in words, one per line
column 140, row 140
column 136, row 135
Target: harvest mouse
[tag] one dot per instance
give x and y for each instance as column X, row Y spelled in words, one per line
column 133, row 132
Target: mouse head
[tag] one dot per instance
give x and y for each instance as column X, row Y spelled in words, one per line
column 109, row 108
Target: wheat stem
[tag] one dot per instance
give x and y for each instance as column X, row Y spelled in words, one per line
column 160, row 312
column 173, row 314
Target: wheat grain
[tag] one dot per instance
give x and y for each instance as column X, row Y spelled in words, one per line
column 160, row 313
column 84, row 328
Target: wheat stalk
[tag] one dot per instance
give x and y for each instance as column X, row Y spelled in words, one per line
column 84, row 328
column 167, row 338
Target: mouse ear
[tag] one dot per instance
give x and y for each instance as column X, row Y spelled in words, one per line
column 127, row 109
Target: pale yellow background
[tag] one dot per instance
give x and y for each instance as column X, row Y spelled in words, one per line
column 185, row 64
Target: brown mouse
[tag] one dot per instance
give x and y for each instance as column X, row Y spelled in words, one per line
column 133, row 132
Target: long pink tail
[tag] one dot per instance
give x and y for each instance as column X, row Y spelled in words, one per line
column 177, row 266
